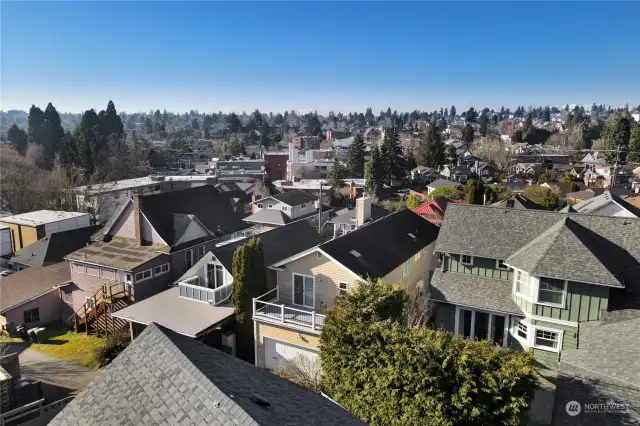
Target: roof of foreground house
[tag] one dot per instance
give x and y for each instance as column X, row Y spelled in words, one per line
column 588, row 248
column 378, row 248
column 604, row 369
column 163, row 378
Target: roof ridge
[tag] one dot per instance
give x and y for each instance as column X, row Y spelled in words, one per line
column 532, row 211
column 564, row 221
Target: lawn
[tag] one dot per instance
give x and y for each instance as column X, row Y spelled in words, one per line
column 66, row 345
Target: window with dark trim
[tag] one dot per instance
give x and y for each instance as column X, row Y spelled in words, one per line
column 32, row 315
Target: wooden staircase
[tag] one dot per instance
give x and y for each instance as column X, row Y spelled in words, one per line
column 94, row 317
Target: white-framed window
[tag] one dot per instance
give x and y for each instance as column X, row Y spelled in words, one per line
column 129, row 277
column 552, row 291
column 303, row 206
column 143, row 275
column 161, row 269
column 284, row 208
column 523, row 284
column 522, row 330
column 500, row 264
column 304, row 290
column 343, row 288
column 215, row 275
column 260, row 205
column 406, row 268
column 199, row 252
column 259, row 226
column 31, row 315
column 547, row 339
column 93, row 271
column 319, row 254
column 188, row 258
column 465, row 259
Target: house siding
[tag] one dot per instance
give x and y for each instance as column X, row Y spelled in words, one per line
column 481, row 266
column 50, row 310
column 296, row 337
column 444, row 316
column 87, row 286
column 328, row 274
column 421, row 264
column 179, row 262
column 585, row 302
column 152, row 286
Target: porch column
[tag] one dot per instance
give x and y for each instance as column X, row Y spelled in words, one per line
column 131, row 329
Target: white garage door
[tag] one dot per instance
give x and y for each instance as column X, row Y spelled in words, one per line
column 277, row 353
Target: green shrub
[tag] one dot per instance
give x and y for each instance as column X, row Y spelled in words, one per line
column 115, row 344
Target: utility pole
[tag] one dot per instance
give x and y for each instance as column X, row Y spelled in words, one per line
column 320, row 209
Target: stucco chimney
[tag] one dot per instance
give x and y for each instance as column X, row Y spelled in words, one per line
column 363, row 210
column 137, row 222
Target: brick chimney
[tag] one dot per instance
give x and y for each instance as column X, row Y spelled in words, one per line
column 137, row 222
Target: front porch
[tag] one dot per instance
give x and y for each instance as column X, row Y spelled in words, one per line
column 268, row 307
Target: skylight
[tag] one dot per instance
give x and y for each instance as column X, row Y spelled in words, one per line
column 355, row 253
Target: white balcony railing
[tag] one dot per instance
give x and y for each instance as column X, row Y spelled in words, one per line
column 267, row 306
column 215, row 296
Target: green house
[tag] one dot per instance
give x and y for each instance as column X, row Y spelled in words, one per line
column 530, row 279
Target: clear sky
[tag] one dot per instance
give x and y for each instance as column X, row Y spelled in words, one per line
column 319, row 56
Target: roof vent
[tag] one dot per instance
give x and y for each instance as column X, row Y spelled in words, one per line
column 510, row 204
column 355, row 253
column 260, row 400
column 413, row 237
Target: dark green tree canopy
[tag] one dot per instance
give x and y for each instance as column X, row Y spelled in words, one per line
column 432, row 149
column 336, row 174
column 374, row 174
column 356, row 157
column 18, row 139
column 391, row 154
column 468, row 133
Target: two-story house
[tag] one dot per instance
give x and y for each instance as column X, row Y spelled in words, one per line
column 397, row 248
column 283, row 208
column 456, row 173
column 348, row 220
column 530, row 279
column 198, row 305
column 150, row 241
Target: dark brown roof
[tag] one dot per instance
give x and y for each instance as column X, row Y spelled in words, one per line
column 30, row 283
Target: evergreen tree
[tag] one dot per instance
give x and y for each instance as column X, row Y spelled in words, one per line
column 617, row 134
column 474, row 192
column 336, row 174
column 356, row 157
column 111, row 123
column 92, row 147
column 432, row 149
column 468, row 133
column 633, row 155
column 18, row 139
column 52, row 127
column 450, row 154
column 195, row 124
column 410, row 162
column 148, row 125
column 374, row 173
column 452, row 111
column 546, row 114
column 472, row 115
column 36, row 132
column 69, row 155
column 484, row 124
column 527, row 124
column 391, row 154
column 233, row 122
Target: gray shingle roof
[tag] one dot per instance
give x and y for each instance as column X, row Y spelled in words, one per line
column 31, row 283
column 473, row 290
column 519, row 202
column 605, row 368
column 268, row 216
column 498, row 233
column 295, row 198
column 165, row 379
column 591, row 205
column 441, row 183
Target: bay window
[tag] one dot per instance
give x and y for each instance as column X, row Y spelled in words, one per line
column 523, row 284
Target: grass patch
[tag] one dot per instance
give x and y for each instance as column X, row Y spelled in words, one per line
column 66, row 345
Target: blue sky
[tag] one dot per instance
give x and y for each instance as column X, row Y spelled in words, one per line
column 317, row 56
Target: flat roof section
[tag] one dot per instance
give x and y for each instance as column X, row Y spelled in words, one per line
column 41, row 217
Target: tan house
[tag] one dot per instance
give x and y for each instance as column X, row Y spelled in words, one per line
column 283, row 208
column 288, row 320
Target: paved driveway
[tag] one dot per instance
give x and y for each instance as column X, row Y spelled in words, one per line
column 59, row 378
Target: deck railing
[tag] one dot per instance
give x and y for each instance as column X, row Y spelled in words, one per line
column 267, row 306
column 204, row 294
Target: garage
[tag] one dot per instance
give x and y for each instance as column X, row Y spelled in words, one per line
column 277, row 353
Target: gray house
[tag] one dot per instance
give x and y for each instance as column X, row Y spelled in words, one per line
column 532, row 279
column 164, row 378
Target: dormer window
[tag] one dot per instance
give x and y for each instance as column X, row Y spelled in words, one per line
column 466, row 260
column 260, row 205
column 285, row 208
column 500, row 264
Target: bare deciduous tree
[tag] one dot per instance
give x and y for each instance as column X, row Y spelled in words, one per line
column 493, row 151
column 418, row 310
column 303, row 371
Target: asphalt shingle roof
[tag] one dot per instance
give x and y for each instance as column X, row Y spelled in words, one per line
column 31, row 283
column 473, row 290
column 54, row 247
column 519, row 202
column 269, row 216
column 383, row 245
column 277, row 244
column 595, row 203
column 163, row 378
column 441, row 183
column 214, row 209
column 498, row 233
column 605, row 368
column 294, row 198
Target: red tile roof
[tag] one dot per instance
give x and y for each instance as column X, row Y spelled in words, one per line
column 434, row 210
